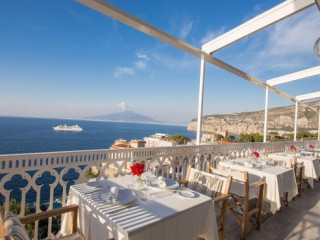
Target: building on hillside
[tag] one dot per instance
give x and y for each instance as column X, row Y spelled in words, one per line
column 119, row 144
column 208, row 136
column 122, row 143
column 158, row 140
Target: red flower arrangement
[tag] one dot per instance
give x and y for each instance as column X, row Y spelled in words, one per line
column 293, row 148
column 137, row 169
column 256, row 154
column 311, row 146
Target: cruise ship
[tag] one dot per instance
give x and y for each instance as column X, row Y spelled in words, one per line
column 73, row 128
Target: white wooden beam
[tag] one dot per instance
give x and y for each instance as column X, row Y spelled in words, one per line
column 319, row 123
column 264, row 20
column 308, row 96
column 200, row 101
column 142, row 26
column 134, row 22
column 318, row 3
column 265, row 127
column 295, row 123
column 294, row 76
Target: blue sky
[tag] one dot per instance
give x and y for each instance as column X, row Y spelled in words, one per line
column 61, row 59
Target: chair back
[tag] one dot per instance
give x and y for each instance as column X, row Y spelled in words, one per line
column 13, row 228
column 208, row 184
column 1, row 224
column 240, row 181
column 282, row 161
column 242, row 190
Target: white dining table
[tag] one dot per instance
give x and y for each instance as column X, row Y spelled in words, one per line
column 311, row 165
column 166, row 214
column 310, row 152
column 278, row 180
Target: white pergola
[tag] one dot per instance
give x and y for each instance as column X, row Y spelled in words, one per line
column 256, row 24
column 262, row 21
column 286, row 79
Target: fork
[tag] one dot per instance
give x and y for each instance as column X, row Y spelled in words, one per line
column 97, row 189
column 123, row 208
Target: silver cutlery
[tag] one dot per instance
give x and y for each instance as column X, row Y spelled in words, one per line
column 122, row 208
column 98, row 188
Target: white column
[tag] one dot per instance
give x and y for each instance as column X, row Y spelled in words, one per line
column 295, row 122
column 319, row 128
column 265, row 129
column 200, row 101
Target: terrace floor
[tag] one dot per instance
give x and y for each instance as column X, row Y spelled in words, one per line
column 300, row 220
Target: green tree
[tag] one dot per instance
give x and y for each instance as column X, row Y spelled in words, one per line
column 252, row 137
column 90, row 174
column 179, row 139
column 15, row 207
column 231, row 138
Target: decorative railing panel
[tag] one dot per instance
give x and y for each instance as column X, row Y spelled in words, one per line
column 42, row 177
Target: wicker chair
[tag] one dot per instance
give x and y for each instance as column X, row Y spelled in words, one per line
column 213, row 185
column 242, row 191
column 11, row 227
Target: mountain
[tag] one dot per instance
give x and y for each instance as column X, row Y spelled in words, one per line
column 126, row 116
column 279, row 119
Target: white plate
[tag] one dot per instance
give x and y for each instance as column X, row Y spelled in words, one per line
column 186, row 193
column 125, row 196
column 271, row 164
column 170, row 184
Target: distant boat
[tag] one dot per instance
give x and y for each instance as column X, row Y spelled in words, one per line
column 73, row 128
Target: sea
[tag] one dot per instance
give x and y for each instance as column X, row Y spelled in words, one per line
column 32, row 135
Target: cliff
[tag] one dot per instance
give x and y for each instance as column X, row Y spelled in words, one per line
column 281, row 118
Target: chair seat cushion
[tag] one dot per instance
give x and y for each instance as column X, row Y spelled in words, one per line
column 13, row 227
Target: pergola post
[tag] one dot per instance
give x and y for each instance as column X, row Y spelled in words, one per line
column 200, row 101
column 319, row 128
column 265, row 128
column 295, row 122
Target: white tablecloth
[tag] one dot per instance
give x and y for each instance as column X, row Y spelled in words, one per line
column 311, row 165
column 165, row 215
column 278, row 181
column 310, row 152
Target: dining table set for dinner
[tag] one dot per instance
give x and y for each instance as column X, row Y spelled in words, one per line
column 311, row 164
column 279, row 180
column 159, row 208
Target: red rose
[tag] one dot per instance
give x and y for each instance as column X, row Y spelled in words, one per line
column 137, row 169
column 293, row 148
column 311, row 146
column 256, row 154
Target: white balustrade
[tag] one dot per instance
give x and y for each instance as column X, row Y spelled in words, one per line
column 55, row 169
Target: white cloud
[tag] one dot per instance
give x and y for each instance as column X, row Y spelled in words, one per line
column 123, row 106
column 286, row 46
column 185, row 30
column 141, row 64
column 142, row 56
column 119, row 71
column 295, row 35
column 181, row 62
column 257, row 9
column 211, row 35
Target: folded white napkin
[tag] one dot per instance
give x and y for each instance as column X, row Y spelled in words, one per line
column 246, row 164
column 114, row 191
column 161, row 182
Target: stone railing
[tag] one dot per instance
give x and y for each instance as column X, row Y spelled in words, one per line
column 44, row 177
